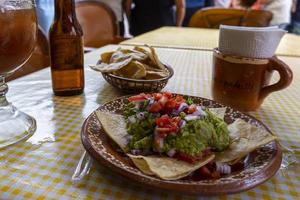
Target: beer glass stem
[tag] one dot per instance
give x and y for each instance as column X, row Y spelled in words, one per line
column 3, row 91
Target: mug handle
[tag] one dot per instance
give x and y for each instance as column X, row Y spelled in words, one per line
column 286, row 77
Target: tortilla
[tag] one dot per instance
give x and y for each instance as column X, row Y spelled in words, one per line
column 167, row 168
column 244, row 139
column 115, row 127
column 163, row 167
column 219, row 112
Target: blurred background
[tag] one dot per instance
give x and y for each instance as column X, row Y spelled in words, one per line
column 134, row 17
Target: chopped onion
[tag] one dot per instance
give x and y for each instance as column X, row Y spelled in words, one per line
column 151, row 101
column 135, row 151
column 199, row 112
column 182, row 123
column 138, row 104
column 171, row 153
column 181, row 108
column 131, row 119
column 128, row 137
column 161, row 143
column 140, row 115
column 223, row 168
column 191, row 117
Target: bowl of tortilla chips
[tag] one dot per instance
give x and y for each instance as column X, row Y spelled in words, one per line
column 181, row 143
column 134, row 70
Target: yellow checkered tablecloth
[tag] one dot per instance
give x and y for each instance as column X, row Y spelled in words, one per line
column 203, row 39
column 41, row 167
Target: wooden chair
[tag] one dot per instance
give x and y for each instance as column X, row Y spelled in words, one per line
column 98, row 22
column 39, row 59
column 214, row 17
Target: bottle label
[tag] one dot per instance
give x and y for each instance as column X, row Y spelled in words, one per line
column 66, row 52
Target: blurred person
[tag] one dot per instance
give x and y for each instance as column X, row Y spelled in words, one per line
column 45, row 14
column 117, row 7
column 192, row 6
column 147, row 15
column 281, row 10
column 244, row 4
column 222, row 3
column 247, row 3
column 296, row 17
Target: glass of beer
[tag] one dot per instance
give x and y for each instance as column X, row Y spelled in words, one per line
column 18, row 34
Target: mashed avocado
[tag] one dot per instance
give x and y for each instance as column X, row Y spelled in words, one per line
column 220, row 139
column 197, row 135
column 140, row 130
column 192, row 139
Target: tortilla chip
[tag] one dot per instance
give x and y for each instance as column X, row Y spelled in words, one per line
column 132, row 64
column 155, row 59
column 244, row 139
column 219, row 112
column 167, row 168
column 122, row 54
column 135, row 70
column 108, row 68
column 105, row 57
column 150, row 75
column 115, row 126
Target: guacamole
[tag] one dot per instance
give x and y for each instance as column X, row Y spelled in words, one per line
column 186, row 129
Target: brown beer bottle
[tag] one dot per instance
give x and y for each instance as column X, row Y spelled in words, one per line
column 66, row 49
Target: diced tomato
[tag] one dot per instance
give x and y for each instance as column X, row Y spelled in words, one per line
column 176, row 120
column 171, row 127
column 204, row 172
column 208, row 172
column 167, row 125
column 163, row 100
column 162, row 121
column 157, row 96
column 155, row 107
column 178, row 100
column 192, row 108
column 170, row 105
column 215, row 175
column 139, row 97
column 185, row 157
column 168, row 95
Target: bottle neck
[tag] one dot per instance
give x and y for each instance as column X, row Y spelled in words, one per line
column 65, row 9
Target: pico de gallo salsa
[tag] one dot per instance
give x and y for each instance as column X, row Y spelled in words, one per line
column 163, row 123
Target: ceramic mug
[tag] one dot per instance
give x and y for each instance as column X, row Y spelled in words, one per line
column 243, row 83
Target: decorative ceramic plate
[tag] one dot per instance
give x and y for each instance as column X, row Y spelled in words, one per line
column 259, row 165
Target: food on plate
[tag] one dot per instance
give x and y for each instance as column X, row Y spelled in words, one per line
column 171, row 137
column 137, row 63
column 244, row 139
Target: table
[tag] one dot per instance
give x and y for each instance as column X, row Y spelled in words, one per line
column 203, row 39
column 41, row 167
